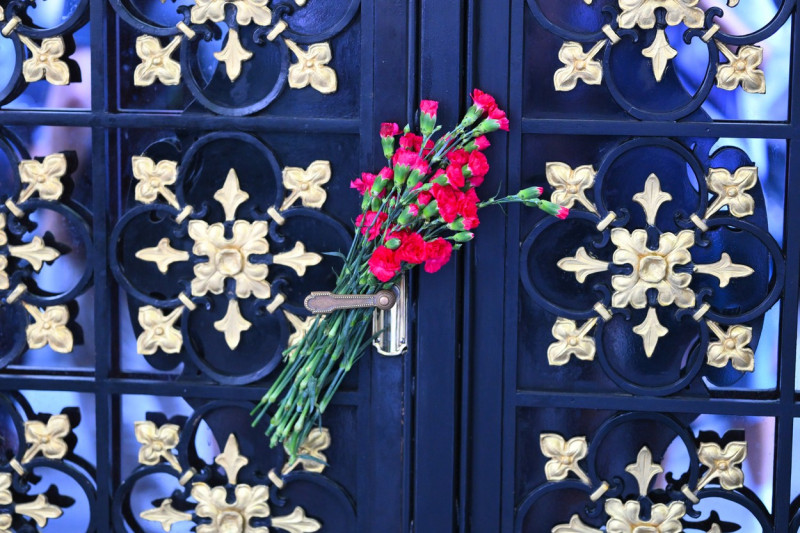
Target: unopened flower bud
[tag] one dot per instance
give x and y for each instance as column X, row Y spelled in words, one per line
column 464, row 236
column 405, row 217
column 554, row 209
column 457, row 224
column 431, row 210
column 375, row 204
column 530, row 193
column 392, row 244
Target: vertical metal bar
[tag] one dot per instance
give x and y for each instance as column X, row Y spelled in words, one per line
column 102, row 304
column 436, row 446
column 789, row 306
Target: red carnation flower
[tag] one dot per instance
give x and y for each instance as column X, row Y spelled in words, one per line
column 429, row 107
column 458, row 157
column 389, row 129
column 437, row 254
column 412, row 247
column 499, row 116
column 455, row 176
column 364, row 183
column 386, row 173
column 482, row 143
column 478, row 164
column 468, row 209
column 413, row 209
column 411, row 141
column 424, row 198
column 384, row 264
column 370, row 226
column 483, row 101
column 447, row 199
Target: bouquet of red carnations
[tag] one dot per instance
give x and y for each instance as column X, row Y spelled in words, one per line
column 416, row 210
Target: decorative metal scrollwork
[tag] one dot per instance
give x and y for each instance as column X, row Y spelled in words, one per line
column 283, row 38
column 234, row 491
column 627, row 500
column 45, row 317
column 35, row 445
column 39, row 53
column 661, row 266
column 636, row 30
column 230, row 261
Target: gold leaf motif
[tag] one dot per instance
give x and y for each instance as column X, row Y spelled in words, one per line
column 722, row 464
column 651, row 198
column 626, row 518
column 310, row 455
column 641, row 13
column 660, row 52
column 233, row 324
column 306, row 184
column 158, row 331
column 730, row 190
column 575, row 525
column 578, row 66
column 156, row 62
column 40, row 510
column 45, row 61
column 163, row 255
column 5, row 523
column 154, row 178
column 571, row 341
column 35, row 253
column 157, row 443
column 715, row 527
column 49, row 328
column 564, row 456
column 570, row 185
column 297, row 522
column 652, row 269
column 250, row 502
column 297, row 259
column 733, row 346
column 4, row 284
column 231, row 196
column 724, row 270
column 741, row 69
column 3, row 236
column 43, row 178
column 247, row 11
column 650, row 331
column 5, row 494
column 47, row 439
column 311, row 68
column 166, row 515
column 229, row 258
column 230, row 459
column 583, row 265
column 300, row 326
column 233, row 55
column 644, row 470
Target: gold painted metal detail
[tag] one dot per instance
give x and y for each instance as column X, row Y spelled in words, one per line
column 626, row 517
column 582, row 264
column 660, row 52
column 163, row 255
column 233, row 54
column 157, row 443
column 156, row 62
column 578, row 66
column 45, row 61
column 564, row 456
column 309, row 454
column 571, row 184
column 641, row 13
column 651, row 198
column 650, row 330
column 40, row 510
column 312, row 68
column 731, row 345
column 247, row 11
column 731, row 190
column 213, row 502
column 49, row 328
column 43, row 177
column 225, row 258
column 644, row 470
column 300, row 326
column 47, row 439
column 652, row 269
column 722, row 464
column 571, row 340
column 724, row 270
column 35, row 252
column 158, row 331
column 741, row 69
column 154, row 180
column 306, row 185
column 575, row 525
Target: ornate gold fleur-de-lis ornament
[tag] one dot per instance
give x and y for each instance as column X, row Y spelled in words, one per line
column 311, row 68
column 741, row 68
column 220, row 256
column 230, row 506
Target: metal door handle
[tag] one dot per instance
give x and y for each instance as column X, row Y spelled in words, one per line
column 326, row 302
